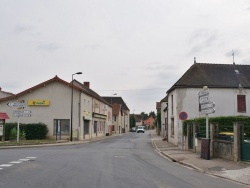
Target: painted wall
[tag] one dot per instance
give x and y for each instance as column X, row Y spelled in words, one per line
column 186, row 100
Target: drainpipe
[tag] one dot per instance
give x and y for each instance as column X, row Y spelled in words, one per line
column 79, row 116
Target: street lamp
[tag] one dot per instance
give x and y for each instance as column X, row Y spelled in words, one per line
column 71, row 119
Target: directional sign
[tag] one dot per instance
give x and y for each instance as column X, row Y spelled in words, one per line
column 203, row 93
column 204, row 99
column 21, row 111
column 22, row 115
column 207, row 105
column 16, row 104
column 208, row 111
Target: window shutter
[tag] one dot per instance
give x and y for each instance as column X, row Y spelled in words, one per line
column 241, row 103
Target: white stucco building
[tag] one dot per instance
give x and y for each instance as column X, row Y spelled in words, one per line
column 50, row 103
column 229, row 89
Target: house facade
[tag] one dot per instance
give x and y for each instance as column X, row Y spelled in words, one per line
column 149, row 122
column 120, row 114
column 228, row 87
column 50, row 103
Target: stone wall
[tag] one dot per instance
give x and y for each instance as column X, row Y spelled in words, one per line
column 223, row 149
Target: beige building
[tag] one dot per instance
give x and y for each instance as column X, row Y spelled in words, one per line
column 120, row 114
column 50, row 103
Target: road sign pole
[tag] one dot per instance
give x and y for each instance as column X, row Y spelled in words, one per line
column 17, row 135
column 207, row 132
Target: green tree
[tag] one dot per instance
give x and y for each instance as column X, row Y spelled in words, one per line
column 152, row 113
column 132, row 120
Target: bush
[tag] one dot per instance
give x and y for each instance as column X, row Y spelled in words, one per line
column 225, row 123
column 33, row 131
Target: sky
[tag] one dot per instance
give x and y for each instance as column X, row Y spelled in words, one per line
column 136, row 49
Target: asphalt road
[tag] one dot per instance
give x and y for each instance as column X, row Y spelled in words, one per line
column 127, row 161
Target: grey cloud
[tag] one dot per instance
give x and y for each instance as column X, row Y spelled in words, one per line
column 23, row 28
column 48, row 47
column 202, row 39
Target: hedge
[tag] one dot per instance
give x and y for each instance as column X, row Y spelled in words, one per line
column 33, row 131
column 225, row 123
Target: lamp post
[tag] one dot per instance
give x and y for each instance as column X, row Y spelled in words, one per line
column 71, row 118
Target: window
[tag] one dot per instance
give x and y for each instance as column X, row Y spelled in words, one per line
column 172, row 127
column 241, row 103
column 61, row 126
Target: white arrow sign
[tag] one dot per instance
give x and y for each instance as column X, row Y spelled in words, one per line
column 22, row 115
column 21, row 111
column 203, row 93
column 207, row 105
column 208, row 111
column 204, row 99
column 16, row 104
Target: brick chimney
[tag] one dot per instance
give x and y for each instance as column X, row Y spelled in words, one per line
column 86, row 84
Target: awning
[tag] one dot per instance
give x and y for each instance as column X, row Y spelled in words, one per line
column 4, row 116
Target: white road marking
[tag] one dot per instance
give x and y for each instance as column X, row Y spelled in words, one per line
column 31, row 157
column 16, row 162
column 6, row 165
column 23, row 159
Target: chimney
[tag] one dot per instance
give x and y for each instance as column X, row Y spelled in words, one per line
column 86, row 84
column 194, row 60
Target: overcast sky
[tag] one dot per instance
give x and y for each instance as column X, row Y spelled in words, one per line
column 135, row 48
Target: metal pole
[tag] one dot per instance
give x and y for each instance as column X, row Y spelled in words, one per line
column 71, row 118
column 207, row 133
column 17, row 136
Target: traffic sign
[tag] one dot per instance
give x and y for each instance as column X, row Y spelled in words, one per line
column 22, row 115
column 21, row 111
column 16, row 104
column 204, row 99
column 207, row 105
column 203, row 93
column 183, row 115
column 208, row 111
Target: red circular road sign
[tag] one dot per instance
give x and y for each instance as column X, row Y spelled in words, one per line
column 183, row 115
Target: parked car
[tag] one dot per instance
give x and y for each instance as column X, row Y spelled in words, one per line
column 133, row 129
column 140, row 129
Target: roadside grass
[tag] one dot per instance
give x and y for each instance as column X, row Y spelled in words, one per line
column 27, row 142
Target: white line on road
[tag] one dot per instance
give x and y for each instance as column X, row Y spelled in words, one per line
column 23, row 159
column 31, row 157
column 16, row 162
column 6, row 165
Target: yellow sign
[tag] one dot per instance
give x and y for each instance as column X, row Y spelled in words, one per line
column 38, row 102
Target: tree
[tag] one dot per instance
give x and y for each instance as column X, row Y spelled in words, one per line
column 132, row 120
column 152, row 113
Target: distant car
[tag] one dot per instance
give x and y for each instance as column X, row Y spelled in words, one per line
column 133, row 129
column 140, row 129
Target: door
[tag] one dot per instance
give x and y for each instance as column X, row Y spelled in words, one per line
column 191, row 137
column 245, row 143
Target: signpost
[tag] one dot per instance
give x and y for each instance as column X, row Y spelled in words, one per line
column 206, row 107
column 19, row 113
column 17, row 104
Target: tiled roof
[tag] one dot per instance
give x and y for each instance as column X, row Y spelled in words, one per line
column 55, row 79
column 118, row 100
column 214, row 76
column 90, row 92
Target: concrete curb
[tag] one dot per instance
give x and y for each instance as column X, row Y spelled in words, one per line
column 59, row 144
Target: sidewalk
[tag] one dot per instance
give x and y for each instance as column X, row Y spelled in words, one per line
column 239, row 172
